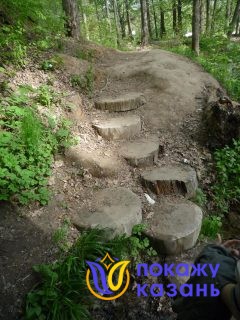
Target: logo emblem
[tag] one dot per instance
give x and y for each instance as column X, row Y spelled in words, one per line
column 107, row 278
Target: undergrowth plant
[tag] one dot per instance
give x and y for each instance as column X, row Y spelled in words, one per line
column 227, row 187
column 27, row 146
column 211, row 226
column 63, row 293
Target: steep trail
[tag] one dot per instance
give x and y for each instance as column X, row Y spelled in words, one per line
column 151, row 114
column 147, row 95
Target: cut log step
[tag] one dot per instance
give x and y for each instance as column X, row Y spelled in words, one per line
column 141, row 152
column 117, row 209
column 127, row 102
column 119, row 128
column 175, row 180
column 174, row 227
column 96, row 163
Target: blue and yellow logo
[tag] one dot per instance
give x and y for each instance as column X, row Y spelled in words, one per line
column 108, row 278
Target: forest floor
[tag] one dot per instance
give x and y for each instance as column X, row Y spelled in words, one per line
column 175, row 90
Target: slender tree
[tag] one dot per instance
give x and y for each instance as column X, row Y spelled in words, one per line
column 155, row 19
column 179, row 10
column 162, row 23
column 234, row 19
column 207, row 16
column 117, row 23
column 72, row 20
column 214, row 16
column 149, row 19
column 128, row 19
column 144, row 20
column 174, row 14
column 196, row 26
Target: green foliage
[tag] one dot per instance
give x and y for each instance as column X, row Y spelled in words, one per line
column 52, row 64
column 227, row 188
column 27, row 147
column 60, row 236
column 211, row 226
column 13, row 48
column 45, row 96
column 84, row 82
column 63, row 293
column 200, row 198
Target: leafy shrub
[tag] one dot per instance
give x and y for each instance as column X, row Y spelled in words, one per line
column 211, row 226
column 45, row 95
column 54, row 63
column 26, row 147
column 227, row 188
column 63, row 293
column 13, row 47
column 200, row 198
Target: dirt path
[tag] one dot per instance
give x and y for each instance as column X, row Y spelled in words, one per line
column 173, row 88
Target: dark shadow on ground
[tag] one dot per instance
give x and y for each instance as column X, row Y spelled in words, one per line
column 22, row 245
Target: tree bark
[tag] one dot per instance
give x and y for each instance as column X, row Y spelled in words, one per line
column 174, row 14
column 213, row 16
column 72, row 20
column 108, row 15
column 179, row 9
column 117, row 24
column 149, row 19
column 155, row 19
column 234, row 19
column 207, row 15
column 144, row 19
column 162, row 28
column 227, row 14
column 196, row 26
column 128, row 19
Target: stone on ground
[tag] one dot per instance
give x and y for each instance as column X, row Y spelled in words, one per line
column 127, row 102
column 119, row 128
column 118, row 209
column 175, row 179
column 141, row 152
column 97, row 164
column 174, row 226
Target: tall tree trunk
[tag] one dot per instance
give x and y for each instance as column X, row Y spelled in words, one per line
column 207, row 16
column 227, row 14
column 117, row 24
column 162, row 23
column 174, row 14
column 128, row 19
column 85, row 22
column 179, row 9
column 213, row 16
column 234, row 19
column 108, row 15
column 238, row 25
column 144, row 18
column 196, row 26
column 121, row 14
column 98, row 20
column 155, row 19
column 201, row 16
column 72, row 21
column 149, row 19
